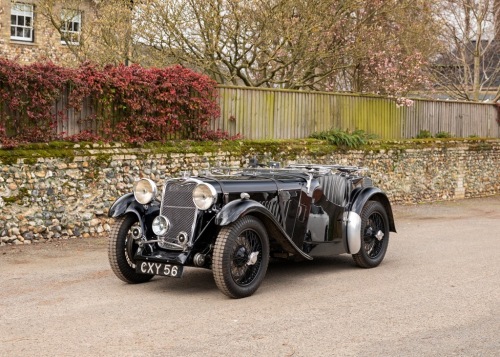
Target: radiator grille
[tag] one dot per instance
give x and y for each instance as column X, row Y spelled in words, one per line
column 178, row 207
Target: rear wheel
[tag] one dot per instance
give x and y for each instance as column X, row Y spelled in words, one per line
column 374, row 235
column 122, row 248
column 241, row 257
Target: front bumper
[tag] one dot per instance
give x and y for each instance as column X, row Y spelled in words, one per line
column 160, row 256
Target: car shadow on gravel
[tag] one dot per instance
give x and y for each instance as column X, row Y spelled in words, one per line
column 197, row 281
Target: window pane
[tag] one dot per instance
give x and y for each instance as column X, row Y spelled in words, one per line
column 21, row 18
column 22, row 9
column 71, row 28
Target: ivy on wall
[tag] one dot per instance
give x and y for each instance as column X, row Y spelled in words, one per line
column 28, row 94
column 132, row 104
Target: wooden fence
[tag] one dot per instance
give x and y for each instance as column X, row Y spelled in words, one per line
column 282, row 114
column 259, row 113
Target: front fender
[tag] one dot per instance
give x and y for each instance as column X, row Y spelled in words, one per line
column 127, row 204
column 122, row 204
column 239, row 208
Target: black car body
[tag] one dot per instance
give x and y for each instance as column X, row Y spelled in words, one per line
column 233, row 222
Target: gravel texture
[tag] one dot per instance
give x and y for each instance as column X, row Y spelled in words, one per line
column 437, row 293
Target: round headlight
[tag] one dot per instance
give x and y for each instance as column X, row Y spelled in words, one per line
column 204, row 196
column 144, row 191
column 160, row 225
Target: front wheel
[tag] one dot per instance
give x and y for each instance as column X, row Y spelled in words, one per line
column 241, row 257
column 374, row 235
column 122, row 248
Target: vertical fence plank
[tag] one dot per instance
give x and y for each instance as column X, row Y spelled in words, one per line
column 258, row 113
column 281, row 114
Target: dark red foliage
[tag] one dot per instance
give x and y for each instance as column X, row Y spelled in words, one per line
column 130, row 103
column 27, row 97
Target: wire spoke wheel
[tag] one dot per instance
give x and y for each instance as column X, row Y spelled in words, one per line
column 374, row 235
column 371, row 244
column 122, row 248
column 241, row 257
column 130, row 246
column 247, row 243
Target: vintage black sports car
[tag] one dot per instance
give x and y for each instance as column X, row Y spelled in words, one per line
column 233, row 222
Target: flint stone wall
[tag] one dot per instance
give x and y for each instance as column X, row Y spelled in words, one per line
column 68, row 196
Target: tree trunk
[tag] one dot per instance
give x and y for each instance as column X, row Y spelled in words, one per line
column 476, row 85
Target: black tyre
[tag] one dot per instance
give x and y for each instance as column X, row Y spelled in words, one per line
column 121, row 250
column 241, row 257
column 374, row 235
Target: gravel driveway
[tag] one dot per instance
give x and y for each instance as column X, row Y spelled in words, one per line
column 437, row 293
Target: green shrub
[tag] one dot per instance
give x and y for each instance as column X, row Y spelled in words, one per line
column 424, row 134
column 344, row 138
column 443, row 135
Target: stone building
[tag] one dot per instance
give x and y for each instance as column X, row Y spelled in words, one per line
column 27, row 34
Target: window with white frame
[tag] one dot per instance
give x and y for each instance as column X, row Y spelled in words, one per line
column 21, row 22
column 71, row 26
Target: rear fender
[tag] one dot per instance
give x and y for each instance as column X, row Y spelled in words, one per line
column 239, row 208
column 373, row 194
column 352, row 220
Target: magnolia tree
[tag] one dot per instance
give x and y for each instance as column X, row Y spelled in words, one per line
column 469, row 66
column 391, row 42
column 356, row 45
column 254, row 43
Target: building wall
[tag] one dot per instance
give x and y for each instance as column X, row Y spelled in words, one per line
column 66, row 193
column 46, row 45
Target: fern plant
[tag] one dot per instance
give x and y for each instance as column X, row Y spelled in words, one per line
column 344, row 138
column 443, row 135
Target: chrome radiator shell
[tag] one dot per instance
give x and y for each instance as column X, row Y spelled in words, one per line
column 178, row 206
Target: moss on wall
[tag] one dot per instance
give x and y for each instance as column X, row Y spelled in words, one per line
column 103, row 153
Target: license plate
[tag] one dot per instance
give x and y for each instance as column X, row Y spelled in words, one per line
column 153, row 268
